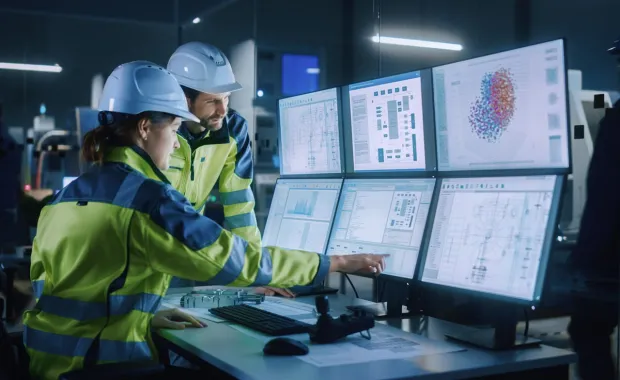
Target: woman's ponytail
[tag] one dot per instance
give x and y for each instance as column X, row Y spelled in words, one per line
column 96, row 143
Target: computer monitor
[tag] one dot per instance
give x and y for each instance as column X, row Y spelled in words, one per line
column 390, row 121
column 492, row 236
column 301, row 213
column 67, row 180
column 310, row 130
column 383, row 216
column 503, row 111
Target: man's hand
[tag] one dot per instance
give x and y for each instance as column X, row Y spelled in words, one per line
column 358, row 263
column 269, row 291
column 174, row 319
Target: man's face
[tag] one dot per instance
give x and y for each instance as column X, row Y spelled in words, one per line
column 211, row 109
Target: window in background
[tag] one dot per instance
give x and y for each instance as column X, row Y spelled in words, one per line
column 300, row 74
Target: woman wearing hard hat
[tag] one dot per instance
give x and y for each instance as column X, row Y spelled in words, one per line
column 108, row 244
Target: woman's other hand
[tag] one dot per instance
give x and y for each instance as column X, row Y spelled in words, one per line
column 174, row 319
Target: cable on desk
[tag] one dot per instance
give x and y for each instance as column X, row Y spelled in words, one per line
column 352, row 286
column 367, row 336
column 527, row 323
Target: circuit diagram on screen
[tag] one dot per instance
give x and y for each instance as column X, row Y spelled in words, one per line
column 387, row 126
column 312, row 140
column 494, row 240
column 403, row 210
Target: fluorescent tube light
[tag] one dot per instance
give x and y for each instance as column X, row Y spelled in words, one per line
column 28, row 67
column 313, row 70
column 416, row 43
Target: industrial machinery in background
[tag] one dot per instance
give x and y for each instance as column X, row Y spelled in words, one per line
column 277, row 72
column 51, row 152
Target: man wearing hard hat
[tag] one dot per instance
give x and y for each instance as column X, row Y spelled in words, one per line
column 216, row 151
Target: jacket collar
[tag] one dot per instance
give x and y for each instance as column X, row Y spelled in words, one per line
column 138, row 160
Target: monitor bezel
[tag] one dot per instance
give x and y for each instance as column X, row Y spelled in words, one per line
column 331, row 220
column 425, row 233
column 491, row 172
column 550, row 235
column 427, row 126
column 340, row 135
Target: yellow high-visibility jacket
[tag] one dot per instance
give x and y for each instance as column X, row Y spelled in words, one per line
column 106, row 248
column 222, row 158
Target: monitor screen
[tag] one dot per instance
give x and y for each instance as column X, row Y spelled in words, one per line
column 493, row 235
column 310, row 134
column 503, row 111
column 301, row 214
column 387, row 120
column 67, row 180
column 383, row 216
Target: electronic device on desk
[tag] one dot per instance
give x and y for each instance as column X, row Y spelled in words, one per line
column 506, row 111
column 285, row 347
column 260, row 320
column 301, row 215
column 326, row 330
column 389, row 125
column 310, row 130
column 384, row 216
column 329, row 330
column 219, row 298
column 491, row 237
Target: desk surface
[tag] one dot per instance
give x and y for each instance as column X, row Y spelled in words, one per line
column 240, row 355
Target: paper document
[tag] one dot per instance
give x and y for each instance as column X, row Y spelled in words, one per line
column 174, row 302
column 385, row 344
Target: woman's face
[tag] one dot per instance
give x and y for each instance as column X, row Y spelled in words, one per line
column 159, row 140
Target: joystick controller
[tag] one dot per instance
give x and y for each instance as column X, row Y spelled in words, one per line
column 328, row 329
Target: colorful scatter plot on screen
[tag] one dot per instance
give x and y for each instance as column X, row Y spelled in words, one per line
column 491, row 113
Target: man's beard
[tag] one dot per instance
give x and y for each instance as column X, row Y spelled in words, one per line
column 212, row 124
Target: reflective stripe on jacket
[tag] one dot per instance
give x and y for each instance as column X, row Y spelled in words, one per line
column 105, row 250
column 222, row 157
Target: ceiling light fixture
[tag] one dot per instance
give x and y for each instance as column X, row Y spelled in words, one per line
column 416, row 43
column 28, row 67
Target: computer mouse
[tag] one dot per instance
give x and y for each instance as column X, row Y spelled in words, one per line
column 285, row 347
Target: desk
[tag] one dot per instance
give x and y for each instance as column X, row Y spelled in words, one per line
column 240, row 355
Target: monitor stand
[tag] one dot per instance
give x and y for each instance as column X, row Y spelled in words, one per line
column 502, row 335
column 392, row 307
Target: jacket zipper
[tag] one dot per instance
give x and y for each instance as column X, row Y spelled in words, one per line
column 191, row 163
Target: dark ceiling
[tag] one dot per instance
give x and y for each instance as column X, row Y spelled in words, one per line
column 149, row 11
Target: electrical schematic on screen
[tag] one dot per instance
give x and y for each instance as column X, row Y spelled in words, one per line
column 310, row 133
column 489, row 233
column 383, row 217
column 504, row 111
column 387, row 124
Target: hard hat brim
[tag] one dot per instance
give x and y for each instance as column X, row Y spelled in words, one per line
column 187, row 116
column 212, row 90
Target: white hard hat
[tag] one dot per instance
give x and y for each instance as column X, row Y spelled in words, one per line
column 204, row 68
column 142, row 86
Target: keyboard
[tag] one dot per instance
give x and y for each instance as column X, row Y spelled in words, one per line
column 260, row 320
